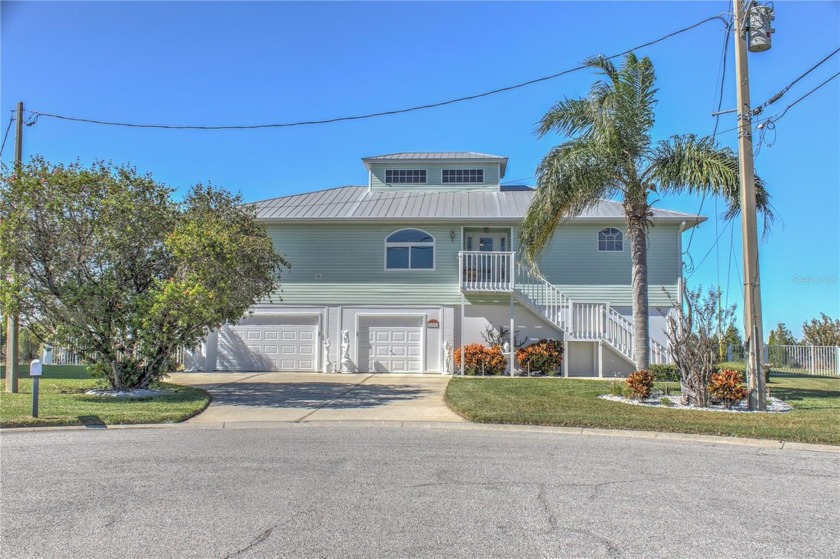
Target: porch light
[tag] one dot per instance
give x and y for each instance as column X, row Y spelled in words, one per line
column 452, row 235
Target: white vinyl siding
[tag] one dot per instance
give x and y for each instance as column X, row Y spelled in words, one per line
column 573, row 263
column 350, row 261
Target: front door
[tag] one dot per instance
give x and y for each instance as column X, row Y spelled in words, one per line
column 487, row 242
column 490, row 267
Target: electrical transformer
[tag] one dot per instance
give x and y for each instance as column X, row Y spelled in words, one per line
column 759, row 28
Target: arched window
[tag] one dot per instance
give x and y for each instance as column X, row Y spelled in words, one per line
column 409, row 249
column 610, row 239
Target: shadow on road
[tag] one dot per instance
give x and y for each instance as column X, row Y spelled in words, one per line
column 312, row 395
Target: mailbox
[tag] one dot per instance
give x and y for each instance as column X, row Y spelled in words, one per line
column 35, row 368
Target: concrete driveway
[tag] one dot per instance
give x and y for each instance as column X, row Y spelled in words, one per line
column 296, row 397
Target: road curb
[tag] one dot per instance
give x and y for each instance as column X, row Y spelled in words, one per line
column 443, row 425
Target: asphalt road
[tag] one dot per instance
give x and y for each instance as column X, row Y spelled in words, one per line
column 378, row 491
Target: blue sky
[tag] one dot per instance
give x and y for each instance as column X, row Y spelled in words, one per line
column 250, row 63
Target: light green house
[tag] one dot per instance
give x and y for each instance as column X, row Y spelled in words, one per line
column 387, row 277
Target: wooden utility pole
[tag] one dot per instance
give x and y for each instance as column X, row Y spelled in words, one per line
column 753, row 334
column 12, row 318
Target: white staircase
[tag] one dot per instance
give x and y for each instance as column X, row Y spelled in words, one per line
column 592, row 322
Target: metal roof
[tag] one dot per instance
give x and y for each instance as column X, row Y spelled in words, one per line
column 358, row 203
column 460, row 156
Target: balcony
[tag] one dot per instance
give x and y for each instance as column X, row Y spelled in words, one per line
column 486, row 271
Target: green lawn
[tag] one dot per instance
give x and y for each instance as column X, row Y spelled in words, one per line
column 62, row 401
column 575, row 403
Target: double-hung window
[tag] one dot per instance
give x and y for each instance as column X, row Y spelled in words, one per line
column 409, row 249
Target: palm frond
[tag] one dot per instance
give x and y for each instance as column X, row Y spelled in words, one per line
column 572, row 178
column 568, row 117
column 604, row 64
column 688, row 164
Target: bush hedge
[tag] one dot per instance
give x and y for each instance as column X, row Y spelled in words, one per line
column 479, row 359
column 544, row 356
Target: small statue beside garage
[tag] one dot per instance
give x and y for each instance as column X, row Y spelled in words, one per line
column 346, row 364
column 327, row 369
column 447, row 358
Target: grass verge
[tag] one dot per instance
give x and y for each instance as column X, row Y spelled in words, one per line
column 62, row 401
column 575, row 403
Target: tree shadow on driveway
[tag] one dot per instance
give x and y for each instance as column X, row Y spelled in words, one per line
column 312, row 395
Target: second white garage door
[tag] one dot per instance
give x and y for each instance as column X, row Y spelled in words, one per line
column 391, row 344
column 269, row 343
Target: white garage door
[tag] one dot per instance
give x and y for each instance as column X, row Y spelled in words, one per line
column 391, row 344
column 269, row 343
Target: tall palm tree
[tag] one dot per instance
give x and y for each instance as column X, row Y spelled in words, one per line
column 610, row 154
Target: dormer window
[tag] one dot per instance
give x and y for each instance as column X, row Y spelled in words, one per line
column 462, row 176
column 405, row 176
column 610, row 239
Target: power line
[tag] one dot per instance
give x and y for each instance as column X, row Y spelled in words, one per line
column 518, row 180
column 777, row 118
column 722, row 73
column 38, row 114
column 728, row 224
column 6, row 136
column 785, row 89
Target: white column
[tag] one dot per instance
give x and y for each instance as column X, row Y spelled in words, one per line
column 511, row 357
column 566, row 355
column 600, row 359
column 461, row 341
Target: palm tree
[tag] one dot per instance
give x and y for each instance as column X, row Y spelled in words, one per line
column 610, row 154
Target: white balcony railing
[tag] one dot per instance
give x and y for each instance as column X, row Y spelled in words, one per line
column 489, row 271
column 495, row 271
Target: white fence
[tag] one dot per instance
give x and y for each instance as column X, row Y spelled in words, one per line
column 795, row 359
column 66, row 356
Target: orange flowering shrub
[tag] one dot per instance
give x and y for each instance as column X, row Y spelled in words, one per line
column 479, row 359
column 544, row 356
column 640, row 384
column 726, row 386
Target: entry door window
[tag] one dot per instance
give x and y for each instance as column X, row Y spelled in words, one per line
column 487, row 243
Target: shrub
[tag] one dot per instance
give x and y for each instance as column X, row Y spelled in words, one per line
column 480, row 359
column 640, row 384
column 616, row 389
column 739, row 366
column 544, row 356
column 726, row 387
column 665, row 401
column 665, row 373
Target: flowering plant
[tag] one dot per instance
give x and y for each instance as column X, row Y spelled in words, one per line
column 544, row 356
column 479, row 359
column 726, row 386
column 640, row 384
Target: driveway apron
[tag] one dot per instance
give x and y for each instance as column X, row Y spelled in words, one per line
column 296, row 397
